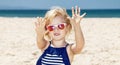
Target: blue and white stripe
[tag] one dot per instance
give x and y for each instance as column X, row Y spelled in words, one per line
column 52, row 60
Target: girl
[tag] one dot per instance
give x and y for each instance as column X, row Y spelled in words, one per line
column 51, row 32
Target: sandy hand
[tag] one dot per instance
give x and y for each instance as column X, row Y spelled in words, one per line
column 40, row 26
column 76, row 18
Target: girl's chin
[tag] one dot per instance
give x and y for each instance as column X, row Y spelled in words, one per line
column 57, row 38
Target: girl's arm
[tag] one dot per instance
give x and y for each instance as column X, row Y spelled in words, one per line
column 76, row 48
column 75, row 21
column 40, row 30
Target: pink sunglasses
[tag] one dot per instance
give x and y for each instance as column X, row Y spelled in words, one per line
column 52, row 27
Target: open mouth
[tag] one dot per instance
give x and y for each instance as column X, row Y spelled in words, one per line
column 56, row 34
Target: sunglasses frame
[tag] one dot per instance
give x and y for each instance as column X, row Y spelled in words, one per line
column 56, row 26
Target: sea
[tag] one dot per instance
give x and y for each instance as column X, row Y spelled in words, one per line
column 91, row 13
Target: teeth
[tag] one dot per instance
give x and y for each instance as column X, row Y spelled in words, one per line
column 56, row 34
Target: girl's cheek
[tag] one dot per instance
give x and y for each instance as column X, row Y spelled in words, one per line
column 51, row 34
column 64, row 32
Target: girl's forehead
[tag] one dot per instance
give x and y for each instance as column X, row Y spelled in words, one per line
column 57, row 20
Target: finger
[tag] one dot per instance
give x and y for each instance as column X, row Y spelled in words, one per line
column 36, row 24
column 73, row 13
column 38, row 19
column 83, row 14
column 79, row 11
column 76, row 10
column 44, row 22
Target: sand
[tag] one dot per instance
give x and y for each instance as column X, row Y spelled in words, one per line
column 102, row 42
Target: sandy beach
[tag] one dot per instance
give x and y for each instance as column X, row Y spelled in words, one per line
column 102, row 42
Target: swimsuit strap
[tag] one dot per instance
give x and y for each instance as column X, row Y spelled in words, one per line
column 51, row 43
column 67, row 44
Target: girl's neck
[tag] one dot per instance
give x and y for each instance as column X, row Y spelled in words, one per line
column 60, row 43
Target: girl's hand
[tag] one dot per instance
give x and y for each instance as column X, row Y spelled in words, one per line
column 40, row 30
column 40, row 26
column 76, row 18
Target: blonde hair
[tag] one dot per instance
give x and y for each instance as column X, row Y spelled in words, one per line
column 51, row 14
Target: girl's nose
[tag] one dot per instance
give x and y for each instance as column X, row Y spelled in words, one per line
column 56, row 29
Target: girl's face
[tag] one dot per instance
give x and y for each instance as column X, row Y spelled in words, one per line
column 57, row 28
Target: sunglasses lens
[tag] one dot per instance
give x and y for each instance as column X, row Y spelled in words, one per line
column 50, row 28
column 61, row 26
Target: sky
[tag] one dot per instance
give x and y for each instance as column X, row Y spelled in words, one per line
column 47, row 4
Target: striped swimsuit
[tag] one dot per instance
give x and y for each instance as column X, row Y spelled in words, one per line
column 54, row 56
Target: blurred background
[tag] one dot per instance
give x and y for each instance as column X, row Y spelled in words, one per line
column 34, row 8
